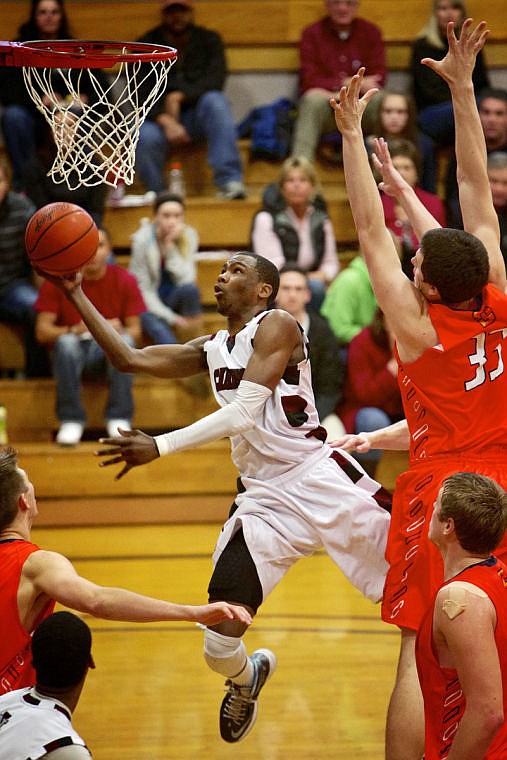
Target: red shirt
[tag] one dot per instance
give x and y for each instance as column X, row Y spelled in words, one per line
column 16, row 669
column 454, row 395
column 444, row 701
column 326, row 59
column 116, row 296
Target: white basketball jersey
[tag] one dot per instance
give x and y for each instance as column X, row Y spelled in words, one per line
column 32, row 725
column 287, row 429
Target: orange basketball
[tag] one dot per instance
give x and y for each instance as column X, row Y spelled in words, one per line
column 61, row 238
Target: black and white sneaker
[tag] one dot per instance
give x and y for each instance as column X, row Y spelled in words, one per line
column 239, row 707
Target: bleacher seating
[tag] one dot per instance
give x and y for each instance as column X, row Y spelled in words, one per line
column 261, row 36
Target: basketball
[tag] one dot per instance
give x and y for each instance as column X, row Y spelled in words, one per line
column 61, row 238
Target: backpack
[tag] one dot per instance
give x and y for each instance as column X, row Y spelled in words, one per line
column 270, row 129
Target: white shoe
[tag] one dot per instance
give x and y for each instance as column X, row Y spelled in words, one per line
column 113, row 425
column 70, row 433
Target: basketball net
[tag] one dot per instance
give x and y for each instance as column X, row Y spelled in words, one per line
column 96, row 141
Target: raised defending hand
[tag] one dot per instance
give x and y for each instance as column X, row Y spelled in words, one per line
column 132, row 447
column 351, row 442
column 218, row 612
column 348, row 106
column 392, row 181
column 458, row 64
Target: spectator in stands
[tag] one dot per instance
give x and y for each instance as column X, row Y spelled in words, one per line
column 47, row 21
column 328, row 372
column 294, row 227
column 37, row 720
column 371, row 395
column 18, row 291
column 42, row 189
column 349, row 304
column 431, row 92
column 162, row 260
column 391, row 114
column 331, row 51
column 76, row 354
column 493, row 115
column 406, row 159
column 194, row 107
column 497, row 174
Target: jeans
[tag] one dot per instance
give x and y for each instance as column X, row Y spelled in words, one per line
column 73, row 358
column 18, row 126
column 367, row 419
column 210, row 119
column 17, row 307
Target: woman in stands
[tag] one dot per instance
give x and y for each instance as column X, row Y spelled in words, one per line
column 163, row 262
column 391, row 114
column 294, row 227
column 431, row 93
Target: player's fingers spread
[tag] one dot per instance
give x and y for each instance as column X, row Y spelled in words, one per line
column 123, row 472
column 108, row 462
column 107, row 452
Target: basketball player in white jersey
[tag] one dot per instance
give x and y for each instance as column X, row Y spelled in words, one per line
column 296, row 495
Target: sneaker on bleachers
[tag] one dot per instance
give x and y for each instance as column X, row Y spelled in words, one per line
column 233, row 191
column 69, row 433
column 113, row 425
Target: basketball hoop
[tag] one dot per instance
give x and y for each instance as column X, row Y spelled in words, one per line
column 95, row 141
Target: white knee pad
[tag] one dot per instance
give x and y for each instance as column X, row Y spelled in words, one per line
column 224, row 654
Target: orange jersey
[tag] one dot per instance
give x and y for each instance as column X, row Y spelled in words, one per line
column 444, row 701
column 455, row 394
column 455, row 401
column 16, row 669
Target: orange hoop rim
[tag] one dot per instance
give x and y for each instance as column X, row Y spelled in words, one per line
column 81, row 54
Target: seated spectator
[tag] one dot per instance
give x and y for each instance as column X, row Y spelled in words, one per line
column 37, row 721
column 330, row 51
column 349, row 304
column 18, row 282
column 328, row 372
column 391, row 114
column 431, row 92
column 162, row 260
column 406, row 160
column 42, row 189
column 194, row 108
column 371, row 395
column 493, row 115
column 20, row 118
column 497, row 174
column 294, row 227
column 116, row 294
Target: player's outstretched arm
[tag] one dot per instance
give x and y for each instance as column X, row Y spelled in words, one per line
column 54, row 575
column 394, row 185
column 394, row 437
column 479, row 215
column 168, row 361
column 393, row 290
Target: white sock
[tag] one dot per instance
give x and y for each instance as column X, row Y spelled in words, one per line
column 227, row 655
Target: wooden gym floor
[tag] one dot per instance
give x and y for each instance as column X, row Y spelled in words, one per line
column 152, row 696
